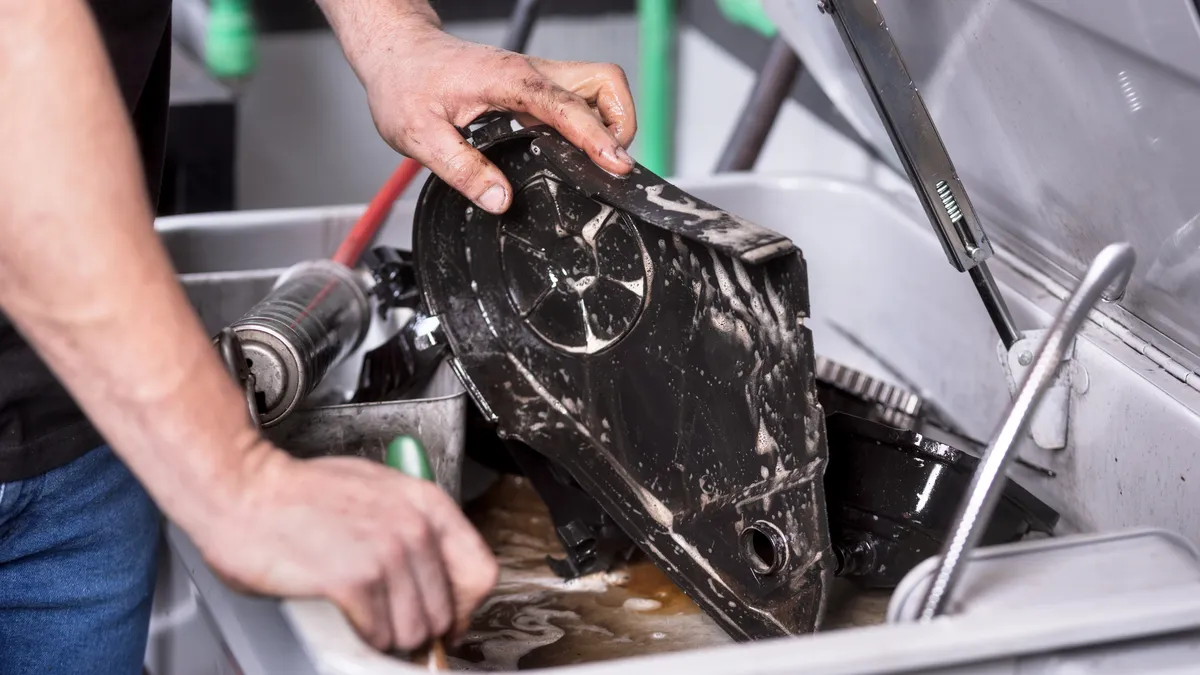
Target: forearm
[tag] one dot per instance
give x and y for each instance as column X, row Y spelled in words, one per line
column 361, row 24
column 83, row 275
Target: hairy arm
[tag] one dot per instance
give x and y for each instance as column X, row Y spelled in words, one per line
column 84, row 277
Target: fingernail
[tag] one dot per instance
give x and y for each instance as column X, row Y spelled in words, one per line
column 492, row 199
column 623, row 157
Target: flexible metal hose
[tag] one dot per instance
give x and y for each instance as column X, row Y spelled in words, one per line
column 1112, row 267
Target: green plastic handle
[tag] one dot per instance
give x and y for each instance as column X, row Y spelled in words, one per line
column 408, row 455
column 748, row 13
column 656, row 98
column 229, row 50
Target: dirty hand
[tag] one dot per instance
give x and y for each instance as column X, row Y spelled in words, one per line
column 394, row 553
column 422, row 82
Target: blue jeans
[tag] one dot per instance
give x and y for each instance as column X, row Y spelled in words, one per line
column 77, row 567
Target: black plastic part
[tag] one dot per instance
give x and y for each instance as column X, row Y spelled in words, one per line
column 395, row 279
column 592, row 542
column 893, row 493
column 650, row 198
column 520, row 25
column 396, row 369
column 672, row 379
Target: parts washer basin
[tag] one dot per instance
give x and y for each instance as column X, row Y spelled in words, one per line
column 906, row 311
column 1020, row 117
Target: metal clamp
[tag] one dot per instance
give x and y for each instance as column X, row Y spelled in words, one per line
column 234, row 358
column 1052, row 420
column 920, row 149
column 1110, row 269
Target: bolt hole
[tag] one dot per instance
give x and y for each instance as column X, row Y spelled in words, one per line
column 249, row 363
column 260, row 401
column 763, row 548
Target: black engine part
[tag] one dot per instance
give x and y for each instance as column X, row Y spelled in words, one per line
column 591, row 541
column 395, row 278
column 895, row 481
column 652, row 346
column 397, row 368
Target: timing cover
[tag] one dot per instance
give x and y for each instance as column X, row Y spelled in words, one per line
column 655, row 347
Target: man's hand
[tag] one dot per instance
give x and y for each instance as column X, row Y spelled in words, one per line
column 422, row 82
column 394, row 553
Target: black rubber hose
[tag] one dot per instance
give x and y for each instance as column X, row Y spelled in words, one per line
column 520, row 25
column 771, row 89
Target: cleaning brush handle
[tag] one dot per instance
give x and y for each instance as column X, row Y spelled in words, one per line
column 407, row 454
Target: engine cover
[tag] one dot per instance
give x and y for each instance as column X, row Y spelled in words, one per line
column 654, row 346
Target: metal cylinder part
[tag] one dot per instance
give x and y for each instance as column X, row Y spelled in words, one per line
column 315, row 316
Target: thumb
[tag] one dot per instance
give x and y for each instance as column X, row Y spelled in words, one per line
column 444, row 152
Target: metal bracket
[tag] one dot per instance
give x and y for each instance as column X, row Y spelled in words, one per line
column 1050, row 424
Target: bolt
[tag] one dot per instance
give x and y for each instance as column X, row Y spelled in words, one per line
column 1025, row 358
column 824, row 8
column 428, row 333
column 854, row 557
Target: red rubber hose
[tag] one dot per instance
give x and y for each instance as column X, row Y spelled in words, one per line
column 360, row 236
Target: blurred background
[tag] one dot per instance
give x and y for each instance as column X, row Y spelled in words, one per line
column 292, row 128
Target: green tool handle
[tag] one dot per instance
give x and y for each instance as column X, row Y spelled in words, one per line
column 230, row 51
column 656, row 98
column 408, row 455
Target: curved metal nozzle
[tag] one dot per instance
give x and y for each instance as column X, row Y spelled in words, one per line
column 1107, row 276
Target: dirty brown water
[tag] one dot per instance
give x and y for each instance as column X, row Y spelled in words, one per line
column 533, row 619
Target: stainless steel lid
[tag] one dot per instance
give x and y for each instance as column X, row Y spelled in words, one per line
column 1072, row 123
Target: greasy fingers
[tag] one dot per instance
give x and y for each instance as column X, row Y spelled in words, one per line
column 443, row 151
column 473, row 578
column 416, row 590
column 365, row 605
column 409, row 626
column 428, row 573
column 394, row 553
column 468, row 560
column 422, row 82
column 604, row 86
column 573, row 117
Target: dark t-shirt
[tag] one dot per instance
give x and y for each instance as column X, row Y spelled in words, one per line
column 41, row 428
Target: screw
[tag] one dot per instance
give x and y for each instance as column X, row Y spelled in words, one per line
column 824, row 8
column 1025, row 358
